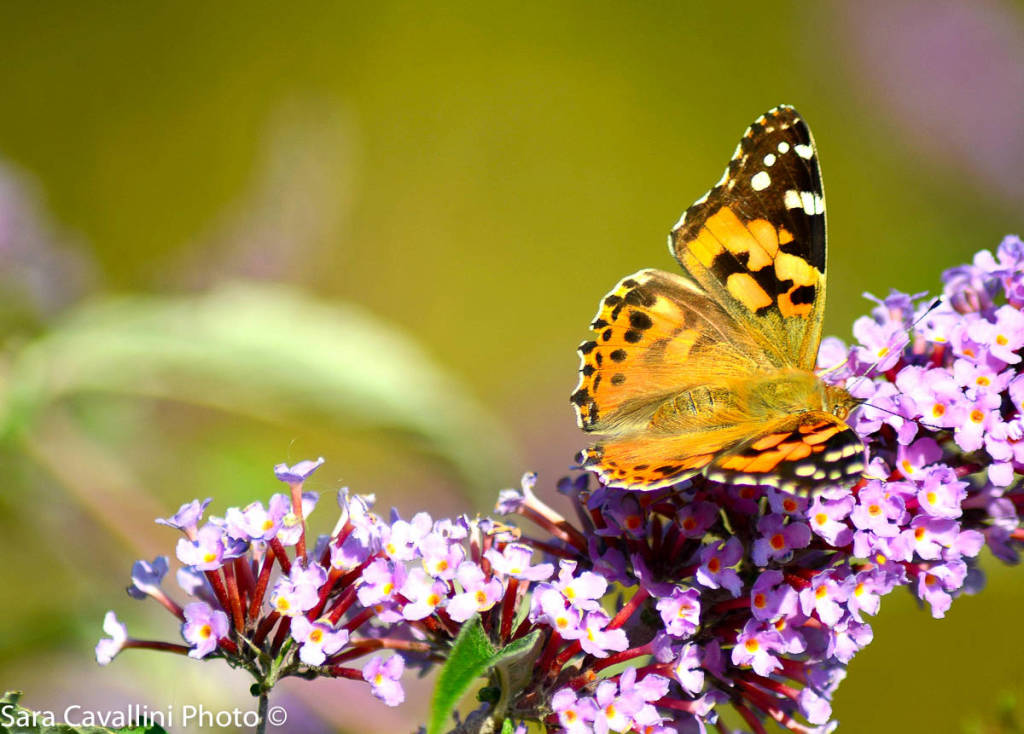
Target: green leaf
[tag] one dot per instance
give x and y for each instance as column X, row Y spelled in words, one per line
column 267, row 352
column 471, row 656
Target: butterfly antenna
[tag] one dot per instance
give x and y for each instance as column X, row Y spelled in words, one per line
column 908, row 334
column 918, row 421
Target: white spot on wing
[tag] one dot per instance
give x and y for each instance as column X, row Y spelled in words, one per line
column 783, row 147
column 769, row 160
column 804, row 151
column 760, row 181
column 809, row 201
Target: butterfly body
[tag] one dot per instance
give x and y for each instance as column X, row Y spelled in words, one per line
column 712, row 371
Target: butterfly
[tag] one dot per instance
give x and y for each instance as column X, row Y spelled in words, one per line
column 712, row 371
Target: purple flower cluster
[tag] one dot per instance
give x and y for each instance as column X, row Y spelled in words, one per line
column 762, row 597
column 403, row 585
column 654, row 608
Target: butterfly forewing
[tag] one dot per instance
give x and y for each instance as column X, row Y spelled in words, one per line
column 756, row 241
column 656, row 335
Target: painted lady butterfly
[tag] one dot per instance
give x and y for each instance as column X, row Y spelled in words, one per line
column 713, row 371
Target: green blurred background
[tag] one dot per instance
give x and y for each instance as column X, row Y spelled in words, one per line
column 234, row 234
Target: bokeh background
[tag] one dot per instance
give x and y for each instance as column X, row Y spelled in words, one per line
column 238, row 233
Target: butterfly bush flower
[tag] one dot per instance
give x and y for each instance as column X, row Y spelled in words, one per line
column 647, row 611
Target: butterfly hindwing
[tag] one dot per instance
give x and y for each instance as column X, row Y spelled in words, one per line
column 756, row 241
column 798, row 453
column 652, row 460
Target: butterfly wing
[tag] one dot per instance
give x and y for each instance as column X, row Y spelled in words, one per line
column 668, row 378
column 797, row 453
column 659, row 380
column 657, row 336
column 756, row 241
column 651, row 460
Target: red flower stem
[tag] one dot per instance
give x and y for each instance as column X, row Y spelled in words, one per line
column 218, row 588
column 325, row 557
column 300, row 548
column 748, row 716
column 227, row 645
column 391, row 643
column 729, row 605
column 245, row 579
column 629, row 608
column 523, row 629
column 964, row 470
column 236, row 603
column 281, row 554
column 550, row 648
column 562, row 530
column 770, row 707
column 346, row 601
column 450, row 626
column 551, row 548
column 282, row 634
column 566, row 655
column 619, row 657
column 339, row 672
column 773, row 685
column 261, row 586
column 677, row 545
column 794, row 669
column 677, row 704
column 264, row 629
column 169, row 604
column 428, row 625
column 508, row 609
column 325, row 590
column 358, row 620
column 365, row 647
column 157, row 645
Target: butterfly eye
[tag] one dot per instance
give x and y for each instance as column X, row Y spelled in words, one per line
column 841, row 411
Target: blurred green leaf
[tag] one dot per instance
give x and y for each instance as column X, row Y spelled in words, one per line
column 263, row 351
column 471, row 656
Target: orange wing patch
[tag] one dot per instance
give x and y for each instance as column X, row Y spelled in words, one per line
column 613, row 368
column 648, row 330
column 802, row 451
column 651, row 460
